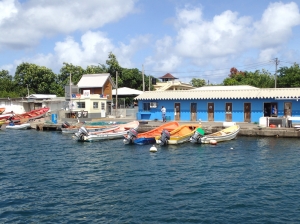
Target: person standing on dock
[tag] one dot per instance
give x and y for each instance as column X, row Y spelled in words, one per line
column 163, row 112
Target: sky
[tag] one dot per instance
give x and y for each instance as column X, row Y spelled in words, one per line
column 187, row 38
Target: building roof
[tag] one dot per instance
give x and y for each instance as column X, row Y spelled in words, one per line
column 41, row 96
column 94, row 80
column 265, row 93
column 226, row 87
column 167, row 76
column 125, row 91
column 172, row 85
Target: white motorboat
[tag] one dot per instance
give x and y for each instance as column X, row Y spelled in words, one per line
column 220, row 136
column 111, row 133
column 19, row 126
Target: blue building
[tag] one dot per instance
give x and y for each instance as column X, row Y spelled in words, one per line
column 220, row 103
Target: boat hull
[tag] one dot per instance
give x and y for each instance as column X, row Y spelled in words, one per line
column 90, row 129
column 226, row 134
column 147, row 138
column 19, row 126
column 103, row 136
column 177, row 140
column 111, row 133
column 144, row 141
column 28, row 116
column 180, row 135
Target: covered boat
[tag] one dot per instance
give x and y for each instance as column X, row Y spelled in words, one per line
column 177, row 136
column 221, row 136
column 111, row 133
column 148, row 137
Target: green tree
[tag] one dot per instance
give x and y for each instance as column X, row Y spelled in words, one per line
column 289, row 77
column 258, row 79
column 132, row 78
column 92, row 69
column 6, row 85
column 67, row 69
column 197, row 82
column 38, row 79
column 113, row 64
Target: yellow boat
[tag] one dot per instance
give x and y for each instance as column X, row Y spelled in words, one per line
column 2, row 122
column 177, row 136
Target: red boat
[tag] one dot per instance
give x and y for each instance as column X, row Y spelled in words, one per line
column 28, row 116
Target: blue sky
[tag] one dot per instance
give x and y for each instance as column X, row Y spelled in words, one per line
column 187, row 38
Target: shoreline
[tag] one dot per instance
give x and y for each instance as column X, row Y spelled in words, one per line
column 246, row 129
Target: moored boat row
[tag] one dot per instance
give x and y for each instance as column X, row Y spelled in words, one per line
column 166, row 134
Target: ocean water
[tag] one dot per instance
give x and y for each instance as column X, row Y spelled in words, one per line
column 47, row 177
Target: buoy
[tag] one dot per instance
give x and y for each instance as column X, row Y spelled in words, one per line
column 231, row 148
column 153, row 149
column 213, row 142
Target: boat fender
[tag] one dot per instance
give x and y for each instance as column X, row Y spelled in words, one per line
column 153, row 149
column 213, row 142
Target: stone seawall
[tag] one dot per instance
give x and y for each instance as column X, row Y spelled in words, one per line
column 246, row 130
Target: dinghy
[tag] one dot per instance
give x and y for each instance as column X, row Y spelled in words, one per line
column 221, row 136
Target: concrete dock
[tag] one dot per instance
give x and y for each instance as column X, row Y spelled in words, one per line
column 247, row 129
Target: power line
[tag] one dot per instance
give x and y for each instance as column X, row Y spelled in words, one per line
column 253, row 65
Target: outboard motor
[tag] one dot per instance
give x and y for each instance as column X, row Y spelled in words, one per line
column 65, row 124
column 82, row 132
column 165, row 136
column 196, row 138
column 131, row 135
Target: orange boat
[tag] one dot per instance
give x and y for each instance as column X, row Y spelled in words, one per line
column 148, row 137
column 2, row 110
column 177, row 136
column 32, row 115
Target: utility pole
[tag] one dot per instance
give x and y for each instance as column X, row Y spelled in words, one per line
column 276, row 63
column 143, row 79
column 70, row 95
column 27, row 90
column 116, row 94
column 149, row 82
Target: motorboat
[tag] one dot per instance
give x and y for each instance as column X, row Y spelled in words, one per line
column 221, row 136
column 148, row 137
column 179, row 135
column 110, row 133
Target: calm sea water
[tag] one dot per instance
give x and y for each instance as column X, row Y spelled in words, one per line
column 46, row 177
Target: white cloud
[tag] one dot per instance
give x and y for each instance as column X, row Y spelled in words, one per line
column 92, row 49
column 23, row 25
column 7, row 9
column 267, row 54
column 276, row 25
column 225, row 38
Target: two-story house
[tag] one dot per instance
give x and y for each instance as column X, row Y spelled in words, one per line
column 92, row 98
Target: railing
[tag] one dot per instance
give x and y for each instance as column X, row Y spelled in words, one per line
column 124, row 113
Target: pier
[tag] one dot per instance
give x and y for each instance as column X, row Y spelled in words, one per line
column 247, row 129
